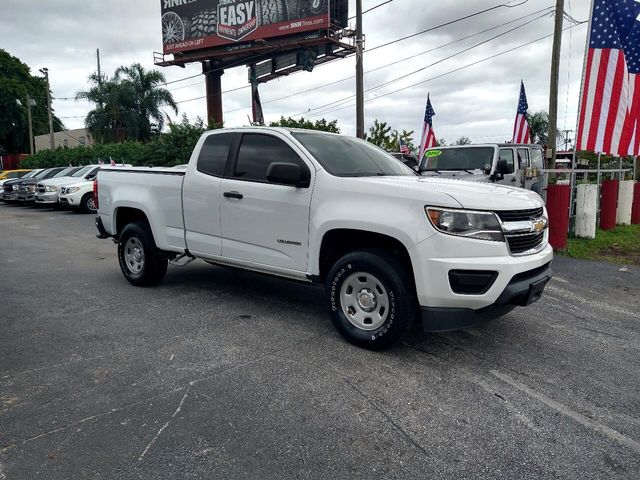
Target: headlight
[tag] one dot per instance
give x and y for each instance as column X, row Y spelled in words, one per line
column 72, row 189
column 15, row 188
column 50, row 188
column 465, row 223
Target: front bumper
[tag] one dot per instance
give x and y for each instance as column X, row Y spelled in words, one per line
column 48, row 198
column 523, row 289
column 69, row 200
column 10, row 197
column 26, row 197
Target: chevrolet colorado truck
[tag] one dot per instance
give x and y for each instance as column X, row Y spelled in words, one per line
column 389, row 245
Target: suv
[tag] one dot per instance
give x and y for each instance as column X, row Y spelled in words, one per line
column 48, row 190
column 516, row 165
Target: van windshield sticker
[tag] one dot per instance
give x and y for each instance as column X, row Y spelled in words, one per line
column 433, row 153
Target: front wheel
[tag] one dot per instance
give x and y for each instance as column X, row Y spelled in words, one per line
column 370, row 298
column 140, row 260
column 88, row 203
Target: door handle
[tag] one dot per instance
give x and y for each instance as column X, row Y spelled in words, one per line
column 237, row 195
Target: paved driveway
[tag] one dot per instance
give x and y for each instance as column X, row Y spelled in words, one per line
column 220, row 373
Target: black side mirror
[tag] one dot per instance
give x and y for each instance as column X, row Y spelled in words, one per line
column 288, row 174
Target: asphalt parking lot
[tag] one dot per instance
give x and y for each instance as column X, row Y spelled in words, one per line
column 220, row 373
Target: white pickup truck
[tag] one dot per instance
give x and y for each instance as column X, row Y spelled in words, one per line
column 389, row 245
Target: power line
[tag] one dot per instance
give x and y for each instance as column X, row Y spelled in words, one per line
column 411, row 57
column 389, row 82
column 330, row 110
column 451, row 22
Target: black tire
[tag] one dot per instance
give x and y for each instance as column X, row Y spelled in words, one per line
column 395, row 282
column 203, row 24
column 272, row 11
column 88, row 204
column 153, row 264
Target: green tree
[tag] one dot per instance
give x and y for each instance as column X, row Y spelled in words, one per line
column 441, row 142
column 321, row 124
column 150, row 97
column 539, row 127
column 127, row 104
column 463, row 141
column 380, row 134
column 16, row 83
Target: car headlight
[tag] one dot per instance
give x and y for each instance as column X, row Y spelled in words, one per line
column 50, row 188
column 15, row 188
column 466, row 223
column 72, row 189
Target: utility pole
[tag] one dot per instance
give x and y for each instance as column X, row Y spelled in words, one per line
column 213, row 85
column 567, row 140
column 29, row 104
column 99, row 72
column 45, row 71
column 359, row 73
column 555, row 78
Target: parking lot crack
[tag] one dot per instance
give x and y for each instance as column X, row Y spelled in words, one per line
column 576, row 416
column 157, row 435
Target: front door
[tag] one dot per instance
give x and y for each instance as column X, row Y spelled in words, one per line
column 508, row 155
column 265, row 223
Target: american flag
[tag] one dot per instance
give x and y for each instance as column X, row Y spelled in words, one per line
column 610, row 104
column 403, row 147
column 521, row 132
column 428, row 139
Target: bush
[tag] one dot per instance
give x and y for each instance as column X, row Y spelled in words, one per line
column 171, row 148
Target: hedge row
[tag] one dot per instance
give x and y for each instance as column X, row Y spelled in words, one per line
column 172, row 148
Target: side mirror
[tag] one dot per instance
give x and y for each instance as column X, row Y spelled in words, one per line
column 502, row 167
column 90, row 177
column 290, row 174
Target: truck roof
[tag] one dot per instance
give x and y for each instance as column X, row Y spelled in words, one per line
column 499, row 145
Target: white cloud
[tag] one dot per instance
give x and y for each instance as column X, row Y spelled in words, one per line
column 478, row 102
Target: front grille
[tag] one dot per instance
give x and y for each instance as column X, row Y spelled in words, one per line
column 523, row 243
column 41, row 189
column 519, row 215
column 62, row 190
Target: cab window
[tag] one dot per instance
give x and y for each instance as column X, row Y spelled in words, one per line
column 258, row 151
column 507, row 155
column 536, row 158
column 213, row 155
column 523, row 158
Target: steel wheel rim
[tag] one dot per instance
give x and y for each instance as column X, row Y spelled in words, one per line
column 364, row 301
column 134, row 255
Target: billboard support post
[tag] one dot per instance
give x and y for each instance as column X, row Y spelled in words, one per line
column 359, row 73
column 213, row 79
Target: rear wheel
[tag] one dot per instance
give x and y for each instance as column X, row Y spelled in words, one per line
column 141, row 262
column 371, row 298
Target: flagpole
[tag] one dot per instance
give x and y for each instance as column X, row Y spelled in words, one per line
column 578, row 126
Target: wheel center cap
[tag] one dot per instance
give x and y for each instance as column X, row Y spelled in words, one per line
column 367, row 300
column 137, row 256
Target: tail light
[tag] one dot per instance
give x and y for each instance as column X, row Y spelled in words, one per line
column 95, row 191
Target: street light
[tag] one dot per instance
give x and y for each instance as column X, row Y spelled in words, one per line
column 45, row 72
column 30, row 103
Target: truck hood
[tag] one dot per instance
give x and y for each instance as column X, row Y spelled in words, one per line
column 471, row 195
column 60, row 181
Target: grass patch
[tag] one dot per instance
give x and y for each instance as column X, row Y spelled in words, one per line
column 621, row 245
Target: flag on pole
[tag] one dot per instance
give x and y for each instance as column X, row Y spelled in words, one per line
column 521, row 131
column 403, row 147
column 609, row 117
column 428, row 139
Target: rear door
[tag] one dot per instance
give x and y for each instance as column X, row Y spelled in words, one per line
column 201, row 196
column 265, row 223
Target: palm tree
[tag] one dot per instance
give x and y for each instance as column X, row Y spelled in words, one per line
column 150, row 97
column 113, row 118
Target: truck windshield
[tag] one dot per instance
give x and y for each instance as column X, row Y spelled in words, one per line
column 467, row 158
column 351, row 157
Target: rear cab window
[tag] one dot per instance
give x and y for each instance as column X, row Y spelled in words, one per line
column 213, row 154
column 258, row 151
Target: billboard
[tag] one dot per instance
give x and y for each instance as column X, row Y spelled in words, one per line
column 195, row 24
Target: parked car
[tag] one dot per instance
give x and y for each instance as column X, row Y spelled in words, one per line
column 27, row 189
column 387, row 244
column 12, row 174
column 48, row 190
column 11, row 188
column 517, row 165
column 79, row 195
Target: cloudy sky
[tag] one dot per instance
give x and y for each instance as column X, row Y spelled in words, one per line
column 478, row 101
